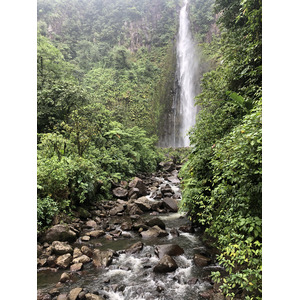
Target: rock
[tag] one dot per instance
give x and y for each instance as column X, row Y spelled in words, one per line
column 143, row 203
column 51, row 261
column 59, row 233
column 76, row 253
column 173, row 179
column 120, row 192
column 138, row 183
column 91, row 224
column 133, row 209
column 87, row 251
column 64, row 277
column 64, row 261
column 156, row 221
column 62, row 297
column 90, row 296
column 166, row 264
column 81, row 259
column 83, row 213
column 95, row 233
column 126, row 226
column 60, row 248
column 167, row 166
column 218, row 296
column 187, row 228
column 166, row 190
column 156, row 205
column 133, row 193
column 41, row 262
column 117, row 209
column 76, row 267
column 169, row 249
column 154, row 231
column 170, row 204
column 193, row 280
column 174, row 232
column 201, row 261
column 39, row 250
column 74, row 293
column 102, row 259
column 85, row 238
column 54, row 292
column 135, row 248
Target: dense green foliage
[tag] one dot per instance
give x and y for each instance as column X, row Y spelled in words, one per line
column 102, row 71
column 118, row 50
column 222, row 179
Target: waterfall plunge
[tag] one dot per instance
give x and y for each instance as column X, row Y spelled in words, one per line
column 187, row 72
column 182, row 115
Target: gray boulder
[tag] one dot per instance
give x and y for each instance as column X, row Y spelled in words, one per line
column 64, row 261
column 153, row 232
column 120, row 192
column 60, row 248
column 102, row 259
column 166, row 264
column 169, row 249
column 170, row 204
column 61, row 233
column 138, row 183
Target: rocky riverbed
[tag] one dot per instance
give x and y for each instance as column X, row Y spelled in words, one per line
column 135, row 247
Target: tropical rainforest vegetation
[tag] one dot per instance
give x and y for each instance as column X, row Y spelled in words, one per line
column 222, row 180
column 105, row 70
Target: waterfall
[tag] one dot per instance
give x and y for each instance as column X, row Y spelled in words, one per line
column 182, row 115
column 187, row 71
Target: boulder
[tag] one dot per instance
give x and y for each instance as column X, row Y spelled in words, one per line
column 187, row 228
column 156, row 205
column 59, row 233
column 117, row 209
column 135, row 248
column 64, row 277
column 170, row 204
column 166, row 264
column 74, row 293
column 60, row 248
column 133, row 193
column 81, row 259
column 139, row 224
column 154, row 231
column 167, row 166
column 143, row 203
column 76, row 253
column 169, row 249
column 76, row 267
column 90, row 296
column 138, row 183
column 51, row 261
column 133, row 209
column 85, row 238
column 126, row 226
column 156, row 221
column 62, row 297
column 64, row 261
column 95, row 233
column 201, row 260
column 102, row 259
column 120, row 192
column 91, row 224
column 87, row 251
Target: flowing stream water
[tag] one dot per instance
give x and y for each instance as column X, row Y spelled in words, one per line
column 131, row 276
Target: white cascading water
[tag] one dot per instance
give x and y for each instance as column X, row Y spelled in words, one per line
column 188, row 78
